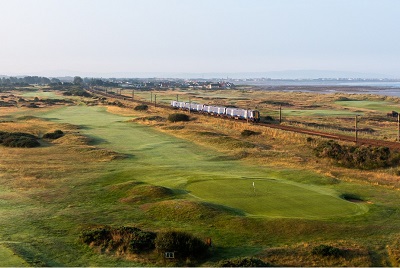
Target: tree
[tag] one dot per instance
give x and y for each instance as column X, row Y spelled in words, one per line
column 78, row 80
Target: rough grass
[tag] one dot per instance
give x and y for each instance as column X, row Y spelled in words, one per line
column 353, row 255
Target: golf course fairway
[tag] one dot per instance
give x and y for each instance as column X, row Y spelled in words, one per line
column 163, row 160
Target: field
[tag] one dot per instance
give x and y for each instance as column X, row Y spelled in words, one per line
column 265, row 196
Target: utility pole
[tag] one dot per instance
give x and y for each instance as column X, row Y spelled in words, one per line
column 280, row 114
column 398, row 127
column 177, row 97
column 189, row 106
column 355, row 128
column 133, row 94
column 151, row 97
column 155, row 100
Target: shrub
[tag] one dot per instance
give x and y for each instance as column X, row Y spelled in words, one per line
column 247, row 133
column 185, row 245
column 178, row 117
column 142, row 107
column 53, row 135
column 18, row 139
column 269, row 118
column 326, row 250
column 243, row 262
column 361, row 157
column 127, row 239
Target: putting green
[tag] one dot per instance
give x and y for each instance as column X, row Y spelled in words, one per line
column 164, row 160
column 9, row 259
column 274, row 198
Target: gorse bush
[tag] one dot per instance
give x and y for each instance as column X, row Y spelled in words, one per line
column 142, row 107
column 178, row 117
column 123, row 239
column 53, row 135
column 18, row 139
column 362, row 157
column 247, row 133
column 185, row 245
column 326, row 250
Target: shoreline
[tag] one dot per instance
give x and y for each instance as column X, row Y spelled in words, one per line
column 326, row 89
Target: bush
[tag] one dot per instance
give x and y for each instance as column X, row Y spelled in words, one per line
column 309, row 139
column 126, row 239
column 269, row 118
column 178, row 117
column 184, row 244
column 18, row 139
column 142, row 107
column 243, row 262
column 53, row 135
column 247, row 133
column 326, row 250
column 361, row 157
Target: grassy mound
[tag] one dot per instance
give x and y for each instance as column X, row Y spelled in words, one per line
column 143, row 193
column 73, row 139
column 183, row 210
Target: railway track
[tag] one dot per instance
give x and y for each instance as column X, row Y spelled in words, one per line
column 360, row 141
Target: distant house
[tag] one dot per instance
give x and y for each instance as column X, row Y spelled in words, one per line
column 213, row 86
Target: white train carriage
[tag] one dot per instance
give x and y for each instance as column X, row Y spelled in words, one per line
column 175, row 104
column 236, row 113
column 243, row 114
column 215, row 110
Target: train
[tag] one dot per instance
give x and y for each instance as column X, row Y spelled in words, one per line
column 229, row 112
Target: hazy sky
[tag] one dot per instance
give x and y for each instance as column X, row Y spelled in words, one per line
column 106, row 36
